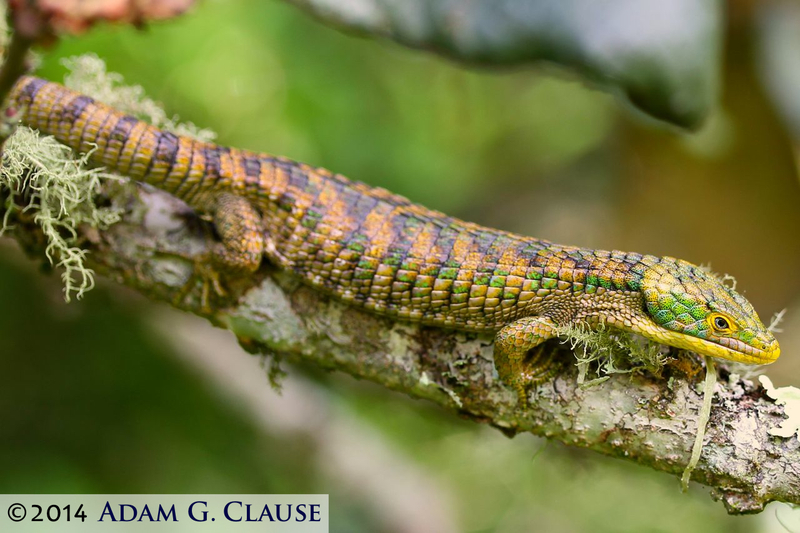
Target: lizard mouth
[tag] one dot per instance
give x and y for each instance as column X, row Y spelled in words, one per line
column 739, row 351
column 725, row 348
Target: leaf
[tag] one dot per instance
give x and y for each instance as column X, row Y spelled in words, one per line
column 663, row 56
column 778, row 57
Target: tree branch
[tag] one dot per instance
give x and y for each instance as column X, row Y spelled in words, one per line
column 15, row 63
column 641, row 418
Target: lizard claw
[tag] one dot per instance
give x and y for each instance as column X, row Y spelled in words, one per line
column 210, row 280
column 203, row 271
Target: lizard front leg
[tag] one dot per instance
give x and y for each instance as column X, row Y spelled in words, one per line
column 519, row 357
column 240, row 251
column 240, row 229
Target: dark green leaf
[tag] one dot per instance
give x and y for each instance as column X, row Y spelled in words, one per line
column 663, row 56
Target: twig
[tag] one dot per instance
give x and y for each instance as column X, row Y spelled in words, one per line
column 15, row 64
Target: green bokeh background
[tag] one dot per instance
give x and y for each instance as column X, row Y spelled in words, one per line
column 92, row 399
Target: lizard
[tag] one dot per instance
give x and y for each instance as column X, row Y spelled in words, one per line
column 377, row 250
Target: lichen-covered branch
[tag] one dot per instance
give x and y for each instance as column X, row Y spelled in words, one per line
column 637, row 417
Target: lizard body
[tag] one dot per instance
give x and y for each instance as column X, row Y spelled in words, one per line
column 379, row 251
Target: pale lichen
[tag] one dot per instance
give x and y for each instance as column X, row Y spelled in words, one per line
column 48, row 184
column 88, row 75
column 789, row 398
column 611, row 351
column 776, row 320
column 56, row 188
column 702, row 422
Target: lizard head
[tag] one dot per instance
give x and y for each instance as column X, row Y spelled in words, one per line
column 691, row 308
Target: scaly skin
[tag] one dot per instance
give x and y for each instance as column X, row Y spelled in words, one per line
column 379, row 251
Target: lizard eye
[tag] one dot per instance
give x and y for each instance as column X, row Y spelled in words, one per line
column 720, row 323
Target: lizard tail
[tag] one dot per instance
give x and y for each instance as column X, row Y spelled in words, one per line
column 183, row 166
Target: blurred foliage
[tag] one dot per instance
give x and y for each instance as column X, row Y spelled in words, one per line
column 93, row 405
column 88, row 401
column 778, row 57
column 663, row 56
column 267, row 78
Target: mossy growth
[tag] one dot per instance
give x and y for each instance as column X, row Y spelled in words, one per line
column 56, row 188
column 88, row 74
column 611, row 351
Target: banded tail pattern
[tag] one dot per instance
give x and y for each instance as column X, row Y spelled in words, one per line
column 364, row 244
column 181, row 166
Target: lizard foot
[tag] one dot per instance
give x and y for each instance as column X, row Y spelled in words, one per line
column 238, row 226
column 239, row 252
column 206, row 271
column 519, row 356
column 210, row 279
column 539, row 366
